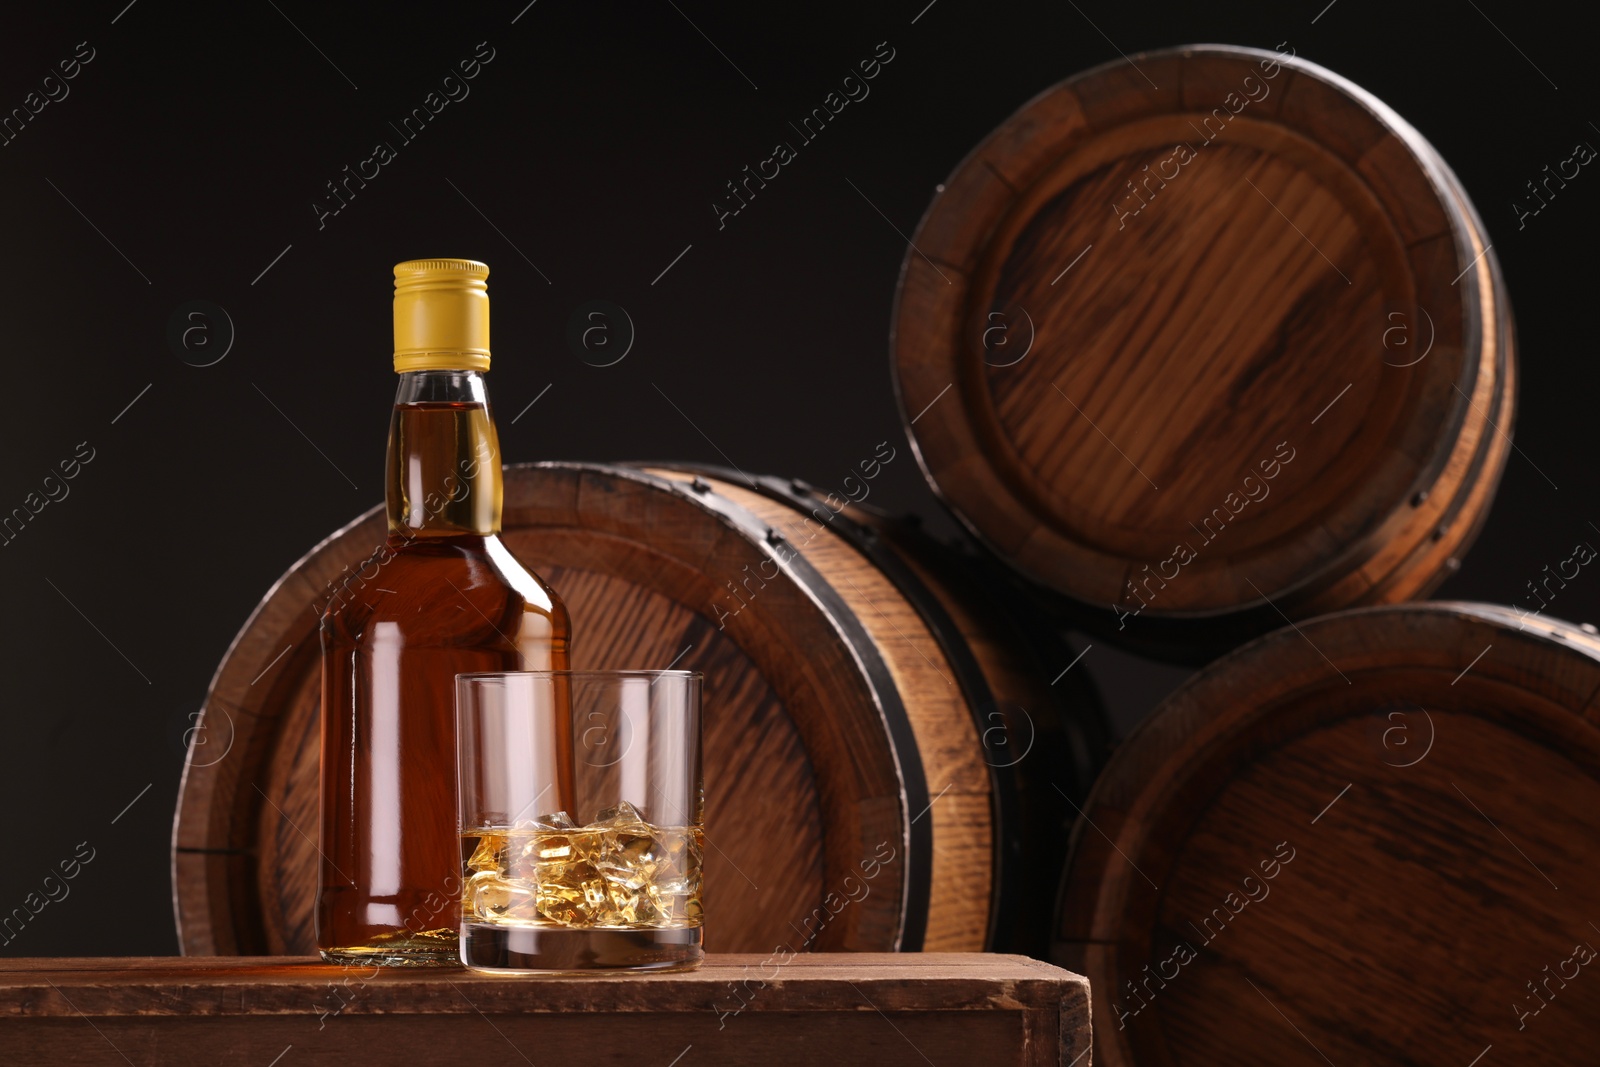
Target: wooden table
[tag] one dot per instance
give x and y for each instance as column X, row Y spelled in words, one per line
column 859, row 1008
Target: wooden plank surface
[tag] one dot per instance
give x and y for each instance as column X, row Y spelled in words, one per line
column 867, row 1008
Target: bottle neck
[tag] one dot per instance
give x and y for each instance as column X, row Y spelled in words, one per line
column 444, row 457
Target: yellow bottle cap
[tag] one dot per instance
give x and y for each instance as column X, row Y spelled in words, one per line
column 441, row 315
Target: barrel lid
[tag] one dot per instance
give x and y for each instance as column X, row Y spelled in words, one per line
column 1197, row 333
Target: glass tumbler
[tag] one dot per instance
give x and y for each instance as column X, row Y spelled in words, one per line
column 582, row 820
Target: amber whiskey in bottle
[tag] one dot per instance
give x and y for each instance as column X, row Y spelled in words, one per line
column 442, row 596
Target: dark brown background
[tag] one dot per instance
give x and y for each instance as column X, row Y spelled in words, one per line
column 596, row 140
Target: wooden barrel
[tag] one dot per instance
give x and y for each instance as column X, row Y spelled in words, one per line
column 1374, row 839
column 866, row 704
column 1204, row 339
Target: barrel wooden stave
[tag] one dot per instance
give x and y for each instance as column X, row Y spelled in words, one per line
column 1042, row 761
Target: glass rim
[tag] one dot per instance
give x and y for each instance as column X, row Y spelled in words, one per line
column 478, row 676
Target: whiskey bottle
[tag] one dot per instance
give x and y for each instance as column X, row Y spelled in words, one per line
column 441, row 596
